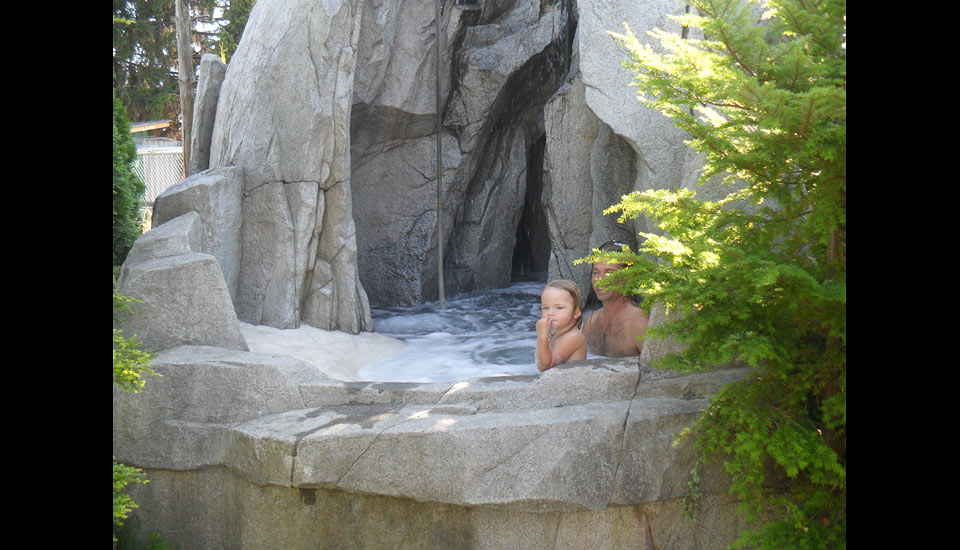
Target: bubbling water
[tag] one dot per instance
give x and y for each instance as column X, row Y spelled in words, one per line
column 488, row 333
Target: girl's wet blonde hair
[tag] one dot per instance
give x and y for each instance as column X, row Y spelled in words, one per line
column 574, row 291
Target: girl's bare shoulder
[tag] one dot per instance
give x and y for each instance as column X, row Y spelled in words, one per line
column 572, row 338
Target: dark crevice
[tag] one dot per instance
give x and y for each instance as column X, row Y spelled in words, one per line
column 532, row 249
column 519, row 105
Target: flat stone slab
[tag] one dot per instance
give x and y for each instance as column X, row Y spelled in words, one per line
column 581, row 436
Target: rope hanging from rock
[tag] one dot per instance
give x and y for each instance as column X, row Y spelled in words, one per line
column 439, row 168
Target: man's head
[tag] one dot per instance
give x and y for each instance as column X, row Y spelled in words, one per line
column 601, row 270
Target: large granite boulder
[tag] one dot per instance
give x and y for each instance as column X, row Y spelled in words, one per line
column 500, row 61
column 394, row 202
column 663, row 160
column 208, row 388
column 501, row 64
column 214, row 195
column 393, row 149
column 182, row 296
column 283, row 118
column 508, row 65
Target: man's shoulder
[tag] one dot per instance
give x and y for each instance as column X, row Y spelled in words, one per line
column 631, row 312
column 637, row 319
column 636, row 311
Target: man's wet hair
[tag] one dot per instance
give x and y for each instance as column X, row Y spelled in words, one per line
column 612, row 246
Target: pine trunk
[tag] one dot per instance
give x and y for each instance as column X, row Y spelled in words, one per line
column 187, row 79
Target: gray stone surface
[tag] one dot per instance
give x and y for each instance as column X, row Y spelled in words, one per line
column 209, row 79
column 283, row 118
column 587, row 169
column 182, row 419
column 215, row 196
column 655, row 349
column 284, row 108
column 180, row 235
column 396, row 55
column 397, row 238
column 589, row 441
column 499, row 63
column 393, row 149
column 663, row 159
column 280, row 223
column 215, row 508
column 182, row 295
column 512, row 58
column 183, row 300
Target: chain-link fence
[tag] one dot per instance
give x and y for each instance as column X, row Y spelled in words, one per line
column 160, row 165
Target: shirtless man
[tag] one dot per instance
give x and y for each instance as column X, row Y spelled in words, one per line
column 617, row 328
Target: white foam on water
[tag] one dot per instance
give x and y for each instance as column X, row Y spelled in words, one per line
column 489, row 333
column 336, row 354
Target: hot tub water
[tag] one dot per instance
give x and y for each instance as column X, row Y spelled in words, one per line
column 488, row 333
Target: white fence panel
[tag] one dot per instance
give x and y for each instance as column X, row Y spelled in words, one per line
column 159, row 168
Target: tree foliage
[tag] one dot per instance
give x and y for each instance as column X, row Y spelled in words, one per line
column 759, row 277
column 232, row 23
column 145, row 59
column 122, row 503
column 129, row 363
column 145, row 68
column 128, row 189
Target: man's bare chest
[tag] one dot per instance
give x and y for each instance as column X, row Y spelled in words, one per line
column 610, row 339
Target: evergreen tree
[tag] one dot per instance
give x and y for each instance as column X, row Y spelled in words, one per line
column 234, row 20
column 128, row 189
column 759, row 277
column 145, row 69
column 145, row 59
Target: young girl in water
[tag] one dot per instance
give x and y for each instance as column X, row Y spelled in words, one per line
column 558, row 331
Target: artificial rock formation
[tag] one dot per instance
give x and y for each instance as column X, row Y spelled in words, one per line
column 182, row 296
column 320, row 189
column 540, row 133
column 330, row 111
column 215, row 196
column 587, row 169
column 209, row 79
column 261, row 451
column 499, row 63
column 283, row 118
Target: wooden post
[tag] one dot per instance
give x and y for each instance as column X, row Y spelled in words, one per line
column 186, row 77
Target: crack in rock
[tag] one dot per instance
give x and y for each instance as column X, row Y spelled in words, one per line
column 515, row 453
column 623, row 438
column 372, row 443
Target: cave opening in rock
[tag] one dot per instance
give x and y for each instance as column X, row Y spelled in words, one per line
column 531, row 251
